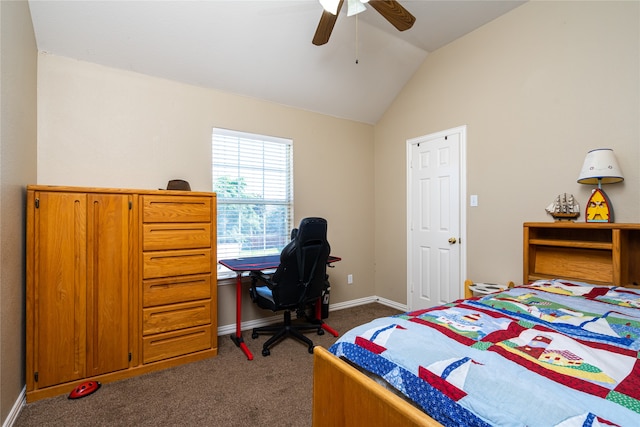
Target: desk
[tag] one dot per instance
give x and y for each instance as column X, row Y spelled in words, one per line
column 260, row 263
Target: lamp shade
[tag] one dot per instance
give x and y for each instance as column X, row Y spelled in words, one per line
column 600, row 167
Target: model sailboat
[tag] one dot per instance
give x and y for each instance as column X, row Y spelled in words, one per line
column 564, row 207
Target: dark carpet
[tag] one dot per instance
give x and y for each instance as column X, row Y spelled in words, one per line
column 226, row 390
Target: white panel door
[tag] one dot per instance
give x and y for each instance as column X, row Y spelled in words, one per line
column 434, row 221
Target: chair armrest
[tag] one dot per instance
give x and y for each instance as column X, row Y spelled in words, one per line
column 259, row 280
column 258, row 276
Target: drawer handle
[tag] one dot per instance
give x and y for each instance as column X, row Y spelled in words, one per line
column 178, row 203
column 156, row 230
column 178, row 338
column 177, row 256
column 177, row 310
column 169, row 285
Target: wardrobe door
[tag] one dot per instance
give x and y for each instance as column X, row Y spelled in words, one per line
column 58, row 296
column 108, row 290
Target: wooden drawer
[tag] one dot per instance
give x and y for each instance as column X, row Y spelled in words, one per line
column 175, row 316
column 172, row 344
column 176, row 209
column 157, row 237
column 176, row 289
column 176, row 263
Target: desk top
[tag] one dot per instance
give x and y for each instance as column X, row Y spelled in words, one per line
column 258, row 263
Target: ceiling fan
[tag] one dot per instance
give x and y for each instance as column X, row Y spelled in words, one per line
column 391, row 10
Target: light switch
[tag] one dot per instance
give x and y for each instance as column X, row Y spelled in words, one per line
column 473, row 200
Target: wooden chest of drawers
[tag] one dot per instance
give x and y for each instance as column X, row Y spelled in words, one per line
column 177, row 267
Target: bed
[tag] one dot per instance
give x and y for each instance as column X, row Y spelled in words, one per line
column 554, row 352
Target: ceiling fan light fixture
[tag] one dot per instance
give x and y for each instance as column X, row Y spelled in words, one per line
column 330, row 6
column 390, row 10
column 355, row 7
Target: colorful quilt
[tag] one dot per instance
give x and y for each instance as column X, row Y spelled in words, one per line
column 553, row 353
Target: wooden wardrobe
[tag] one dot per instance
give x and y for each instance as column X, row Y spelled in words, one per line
column 119, row 283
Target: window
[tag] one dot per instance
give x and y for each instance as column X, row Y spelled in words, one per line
column 252, row 176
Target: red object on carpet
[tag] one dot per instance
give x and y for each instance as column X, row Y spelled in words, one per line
column 84, row 389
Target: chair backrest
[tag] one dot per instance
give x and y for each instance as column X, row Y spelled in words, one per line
column 302, row 274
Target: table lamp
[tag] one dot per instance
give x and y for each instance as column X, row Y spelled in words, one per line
column 600, row 167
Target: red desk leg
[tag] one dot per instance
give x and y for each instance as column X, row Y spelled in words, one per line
column 237, row 338
column 319, row 319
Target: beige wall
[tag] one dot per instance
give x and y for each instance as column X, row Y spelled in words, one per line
column 104, row 127
column 18, row 55
column 537, row 88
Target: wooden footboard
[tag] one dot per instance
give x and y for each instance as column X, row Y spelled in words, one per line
column 343, row 396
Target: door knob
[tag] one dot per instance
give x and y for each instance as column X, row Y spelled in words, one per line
column 452, row 240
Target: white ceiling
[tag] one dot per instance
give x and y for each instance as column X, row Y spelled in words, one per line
column 263, row 48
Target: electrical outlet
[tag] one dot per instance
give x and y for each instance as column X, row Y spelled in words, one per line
column 349, row 279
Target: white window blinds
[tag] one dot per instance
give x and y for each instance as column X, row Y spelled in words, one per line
column 253, row 179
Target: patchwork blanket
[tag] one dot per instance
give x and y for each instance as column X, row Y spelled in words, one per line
column 553, row 353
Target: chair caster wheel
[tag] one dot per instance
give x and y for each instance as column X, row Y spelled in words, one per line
column 265, row 352
column 320, row 331
column 311, row 349
column 254, row 335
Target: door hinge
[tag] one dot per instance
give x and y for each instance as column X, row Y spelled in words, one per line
column 37, row 203
column 130, row 357
column 130, row 205
column 35, row 377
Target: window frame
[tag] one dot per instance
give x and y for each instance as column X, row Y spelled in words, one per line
column 283, row 165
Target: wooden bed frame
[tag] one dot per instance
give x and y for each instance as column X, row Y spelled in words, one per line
column 605, row 254
column 343, row 396
column 338, row 388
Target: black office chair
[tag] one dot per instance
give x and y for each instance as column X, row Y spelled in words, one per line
column 298, row 282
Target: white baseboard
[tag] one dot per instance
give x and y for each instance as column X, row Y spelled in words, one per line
column 16, row 409
column 392, row 304
column 250, row 324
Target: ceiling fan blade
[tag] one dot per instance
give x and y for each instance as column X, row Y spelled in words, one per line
column 325, row 26
column 393, row 12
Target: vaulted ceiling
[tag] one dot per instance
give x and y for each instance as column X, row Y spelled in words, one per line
column 262, row 49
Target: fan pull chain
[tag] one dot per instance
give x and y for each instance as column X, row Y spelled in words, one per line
column 356, row 39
